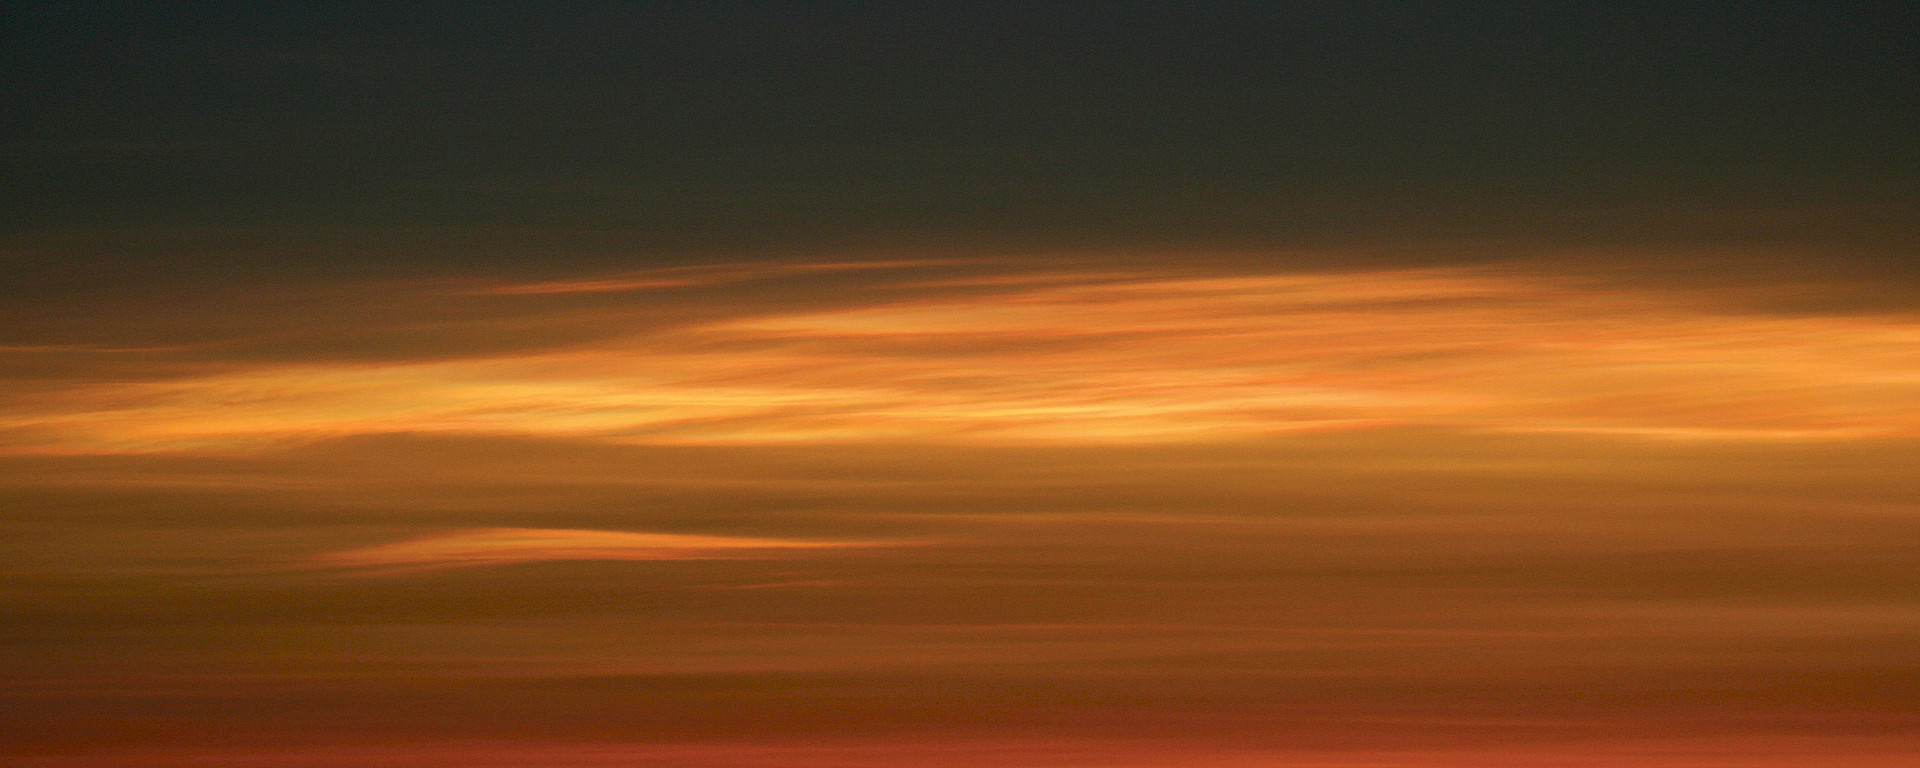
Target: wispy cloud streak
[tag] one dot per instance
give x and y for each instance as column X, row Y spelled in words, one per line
column 679, row 277
column 504, row 546
column 1115, row 358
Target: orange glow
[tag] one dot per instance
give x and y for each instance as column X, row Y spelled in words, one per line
column 1097, row 358
column 966, row 514
column 501, row 546
column 1054, row 753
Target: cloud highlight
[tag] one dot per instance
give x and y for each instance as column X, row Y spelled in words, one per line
column 504, row 546
column 1098, row 357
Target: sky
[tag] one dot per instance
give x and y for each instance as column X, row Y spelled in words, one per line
column 1045, row 385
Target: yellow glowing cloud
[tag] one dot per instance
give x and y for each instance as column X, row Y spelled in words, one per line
column 501, row 546
column 1113, row 357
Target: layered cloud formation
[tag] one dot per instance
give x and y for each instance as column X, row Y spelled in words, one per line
column 1062, row 357
column 969, row 513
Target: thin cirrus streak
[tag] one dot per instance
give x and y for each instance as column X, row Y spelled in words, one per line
column 1127, row 358
column 504, row 546
column 680, row 277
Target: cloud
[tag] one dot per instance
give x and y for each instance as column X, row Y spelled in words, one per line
column 1117, row 358
column 679, row 277
column 504, row 546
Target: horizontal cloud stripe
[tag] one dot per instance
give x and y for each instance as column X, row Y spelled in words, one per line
column 498, row 546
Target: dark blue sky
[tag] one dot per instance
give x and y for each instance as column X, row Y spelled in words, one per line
column 714, row 126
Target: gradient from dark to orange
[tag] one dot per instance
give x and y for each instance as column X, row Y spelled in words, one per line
column 975, row 387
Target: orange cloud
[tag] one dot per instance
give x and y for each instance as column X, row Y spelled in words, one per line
column 1115, row 358
column 503, row 546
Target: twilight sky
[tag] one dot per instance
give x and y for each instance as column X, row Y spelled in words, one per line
column 960, row 385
